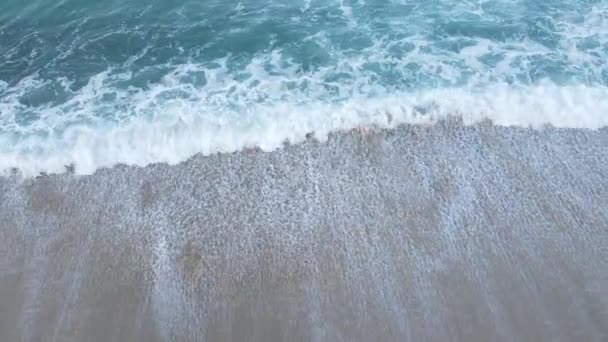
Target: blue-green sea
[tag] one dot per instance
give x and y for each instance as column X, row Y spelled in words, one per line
column 96, row 83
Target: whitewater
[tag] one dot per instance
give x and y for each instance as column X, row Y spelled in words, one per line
column 84, row 86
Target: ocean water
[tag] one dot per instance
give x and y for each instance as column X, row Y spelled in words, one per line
column 91, row 84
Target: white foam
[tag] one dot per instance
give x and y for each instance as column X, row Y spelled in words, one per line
column 179, row 134
column 209, row 107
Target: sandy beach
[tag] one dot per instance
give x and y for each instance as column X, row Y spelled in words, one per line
column 424, row 233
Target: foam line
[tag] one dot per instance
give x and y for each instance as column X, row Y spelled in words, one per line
column 178, row 134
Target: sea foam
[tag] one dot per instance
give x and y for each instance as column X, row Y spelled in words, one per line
column 183, row 131
column 268, row 75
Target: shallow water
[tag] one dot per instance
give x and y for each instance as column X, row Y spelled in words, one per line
column 423, row 233
column 304, row 170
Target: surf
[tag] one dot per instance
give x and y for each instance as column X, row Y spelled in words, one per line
column 172, row 81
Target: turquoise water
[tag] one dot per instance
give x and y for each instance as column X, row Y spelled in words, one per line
column 93, row 84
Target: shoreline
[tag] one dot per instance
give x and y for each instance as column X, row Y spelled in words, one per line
column 15, row 174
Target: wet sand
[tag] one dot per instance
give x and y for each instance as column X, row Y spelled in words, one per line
column 423, row 233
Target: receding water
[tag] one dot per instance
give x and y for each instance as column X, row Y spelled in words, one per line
column 422, row 233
